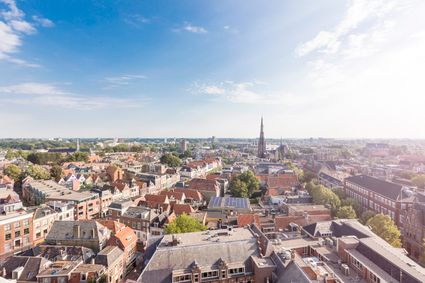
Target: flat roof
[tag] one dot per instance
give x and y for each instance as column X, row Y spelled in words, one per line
column 201, row 238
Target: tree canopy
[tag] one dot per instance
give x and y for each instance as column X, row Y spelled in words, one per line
column 366, row 215
column 56, row 172
column 383, row 226
column 323, row 195
column 37, row 172
column 13, row 171
column 170, row 160
column 184, row 224
column 419, row 181
column 346, row 212
column 244, row 184
column 238, row 188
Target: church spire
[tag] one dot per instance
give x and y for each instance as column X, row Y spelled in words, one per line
column 261, row 142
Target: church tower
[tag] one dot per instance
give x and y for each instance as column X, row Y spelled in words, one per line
column 261, row 142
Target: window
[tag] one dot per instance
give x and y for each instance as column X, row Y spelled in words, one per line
column 7, row 247
column 7, row 227
column 8, row 236
column 17, row 225
column 26, row 241
column 26, row 231
column 209, row 274
column 26, row 222
column 356, row 263
column 374, row 278
column 17, row 234
column 183, row 278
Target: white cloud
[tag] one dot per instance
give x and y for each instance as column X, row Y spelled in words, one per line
column 43, row 94
column 360, row 13
column 194, row 29
column 44, row 22
column 117, row 81
column 188, row 27
column 245, row 93
column 12, row 28
column 367, row 71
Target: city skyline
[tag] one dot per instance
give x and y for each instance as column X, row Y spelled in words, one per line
column 336, row 69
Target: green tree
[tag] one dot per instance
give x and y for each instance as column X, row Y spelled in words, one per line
column 184, row 224
column 56, row 172
column 306, row 177
column 13, row 172
column 244, row 185
column 170, row 160
column 186, row 154
column 323, row 195
column 10, row 155
column 355, row 204
column 346, row 212
column 37, row 172
column 366, row 215
column 383, row 226
column 419, row 181
column 238, row 188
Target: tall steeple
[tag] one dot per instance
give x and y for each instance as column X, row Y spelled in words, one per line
column 261, row 142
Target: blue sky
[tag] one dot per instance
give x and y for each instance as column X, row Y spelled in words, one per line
column 330, row 68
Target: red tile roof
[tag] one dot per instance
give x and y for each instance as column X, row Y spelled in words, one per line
column 203, row 185
column 190, row 194
column 182, row 208
column 248, row 219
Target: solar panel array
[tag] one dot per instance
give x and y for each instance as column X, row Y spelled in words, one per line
column 216, row 202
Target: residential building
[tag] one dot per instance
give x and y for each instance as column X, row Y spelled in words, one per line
column 16, row 231
column 90, row 234
column 113, row 258
column 208, row 188
column 43, row 219
column 86, row 204
column 379, row 196
column 126, row 240
column 219, row 256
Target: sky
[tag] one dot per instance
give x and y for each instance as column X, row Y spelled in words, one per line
column 328, row 68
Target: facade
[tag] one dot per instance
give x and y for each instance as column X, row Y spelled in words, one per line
column 379, row 196
column 44, row 217
column 113, row 258
column 86, row 204
column 16, row 232
column 414, row 227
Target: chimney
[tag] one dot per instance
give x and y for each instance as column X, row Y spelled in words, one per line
column 174, row 240
column 76, row 231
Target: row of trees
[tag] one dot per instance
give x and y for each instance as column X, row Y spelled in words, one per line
column 44, row 158
column 35, row 171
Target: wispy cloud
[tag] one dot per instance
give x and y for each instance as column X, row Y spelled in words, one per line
column 136, row 20
column 44, row 22
column 188, row 27
column 51, row 95
column 116, row 81
column 13, row 27
column 369, row 14
column 244, row 93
